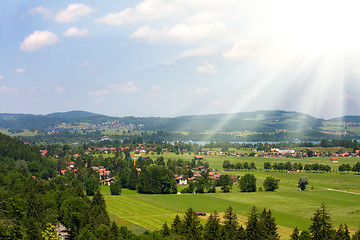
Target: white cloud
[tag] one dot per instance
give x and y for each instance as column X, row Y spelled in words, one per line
column 73, row 12
column 201, row 90
column 98, row 101
column 60, row 89
column 37, row 40
column 198, row 91
column 156, row 88
column 7, row 90
column 201, row 4
column 206, row 68
column 46, row 13
column 19, row 70
column 170, row 63
column 126, row 87
column 74, row 31
column 2, row 77
column 85, row 64
column 99, row 93
column 202, row 51
column 203, row 17
column 239, row 50
column 182, row 33
column 144, row 11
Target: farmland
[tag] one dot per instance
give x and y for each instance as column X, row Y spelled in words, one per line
column 290, row 207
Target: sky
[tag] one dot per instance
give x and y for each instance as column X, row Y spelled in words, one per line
column 180, row 57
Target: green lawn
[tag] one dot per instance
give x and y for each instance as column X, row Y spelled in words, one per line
column 290, row 207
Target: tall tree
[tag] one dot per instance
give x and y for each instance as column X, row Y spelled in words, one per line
column 320, row 229
column 212, row 227
column 230, row 226
column 295, row 235
column 343, row 232
column 192, row 226
column 254, row 230
column 268, row 224
column 177, row 225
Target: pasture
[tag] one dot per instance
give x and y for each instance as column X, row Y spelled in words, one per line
column 291, row 208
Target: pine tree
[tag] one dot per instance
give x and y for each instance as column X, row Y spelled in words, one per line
column 241, row 234
column 295, row 234
column 254, row 229
column 356, row 235
column 305, row 235
column 343, row 232
column 231, row 225
column 177, row 225
column 165, row 230
column 192, row 226
column 267, row 221
column 320, row 228
column 212, row 227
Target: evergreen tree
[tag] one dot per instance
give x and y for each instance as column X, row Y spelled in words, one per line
column 320, row 229
column 343, row 232
column 212, row 227
column 241, row 233
column 165, row 231
column 356, row 235
column 295, row 235
column 177, row 225
column 230, row 226
column 305, row 235
column 254, row 229
column 268, row 225
column 192, row 226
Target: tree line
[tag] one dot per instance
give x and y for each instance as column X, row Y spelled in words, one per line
column 259, row 225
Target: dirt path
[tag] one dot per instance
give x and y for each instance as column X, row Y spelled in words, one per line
column 342, row 191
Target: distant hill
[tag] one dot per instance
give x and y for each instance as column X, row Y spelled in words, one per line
column 74, row 115
column 353, row 119
column 260, row 121
column 16, row 122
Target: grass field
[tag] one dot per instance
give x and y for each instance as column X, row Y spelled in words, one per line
column 290, row 207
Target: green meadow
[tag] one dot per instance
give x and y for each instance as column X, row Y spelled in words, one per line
column 291, row 207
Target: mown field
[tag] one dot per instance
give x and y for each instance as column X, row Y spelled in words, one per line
column 291, row 207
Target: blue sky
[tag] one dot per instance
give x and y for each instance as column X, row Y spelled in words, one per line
column 179, row 57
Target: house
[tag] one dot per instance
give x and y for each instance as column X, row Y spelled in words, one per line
column 71, row 164
column 105, row 138
column 180, row 180
column 200, row 213
column 333, row 160
column 199, row 157
column 107, row 181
